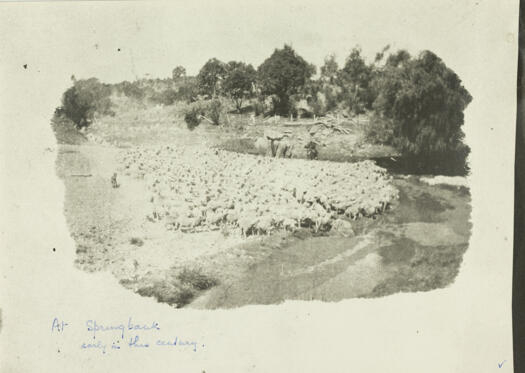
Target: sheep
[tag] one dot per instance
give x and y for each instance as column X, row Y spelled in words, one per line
column 257, row 194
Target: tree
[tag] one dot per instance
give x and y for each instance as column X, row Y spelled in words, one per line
column 178, row 73
column 188, row 89
column 239, row 81
column 83, row 99
column 380, row 55
column 282, row 75
column 355, row 79
column 423, row 100
column 397, row 59
column 329, row 70
column 210, row 77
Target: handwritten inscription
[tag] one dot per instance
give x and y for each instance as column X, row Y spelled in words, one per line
column 58, row 325
column 106, row 337
column 94, row 327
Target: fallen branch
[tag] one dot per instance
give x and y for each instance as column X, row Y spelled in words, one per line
column 209, row 120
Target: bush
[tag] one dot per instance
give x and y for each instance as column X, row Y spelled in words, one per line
column 188, row 90
column 379, row 131
column 172, row 293
column 241, row 145
column 258, row 107
column 196, row 279
column 210, row 109
column 311, row 150
column 165, row 97
column 84, row 99
column 192, row 116
column 318, row 107
column 214, row 111
column 131, row 90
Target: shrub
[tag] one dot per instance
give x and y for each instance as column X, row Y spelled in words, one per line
column 241, row 145
column 214, row 111
column 188, row 89
column 196, row 279
column 192, row 116
column 379, row 131
column 318, row 107
column 172, row 293
column 165, row 97
column 311, row 150
column 131, row 90
column 258, row 107
column 210, row 109
column 84, row 99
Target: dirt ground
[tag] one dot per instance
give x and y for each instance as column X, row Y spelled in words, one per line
column 415, row 246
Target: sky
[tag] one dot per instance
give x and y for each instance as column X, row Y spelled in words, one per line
column 123, row 40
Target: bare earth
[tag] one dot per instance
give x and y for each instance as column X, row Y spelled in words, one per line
column 416, row 245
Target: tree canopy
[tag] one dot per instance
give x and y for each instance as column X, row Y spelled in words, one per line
column 282, row 75
column 423, row 101
column 210, row 77
column 355, row 78
column 239, row 82
column 178, row 72
column 329, row 69
column 84, row 99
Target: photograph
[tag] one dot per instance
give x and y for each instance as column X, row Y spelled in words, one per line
column 248, row 181
column 278, row 186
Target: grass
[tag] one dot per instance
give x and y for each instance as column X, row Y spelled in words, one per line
column 428, row 268
column 181, row 289
column 242, row 145
column 166, row 292
column 415, row 267
column 410, row 266
column 196, row 279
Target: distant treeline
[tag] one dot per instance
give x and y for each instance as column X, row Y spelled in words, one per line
column 415, row 103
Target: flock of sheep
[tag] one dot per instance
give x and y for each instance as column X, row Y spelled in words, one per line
column 197, row 189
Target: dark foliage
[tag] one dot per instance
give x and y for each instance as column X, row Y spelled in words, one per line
column 131, row 90
column 421, row 101
column 355, row 78
column 188, row 89
column 84, row 99
column 311, row 150
column 282, row 75
column 196, row 279
column 165, row 97
column 192, row 116
column 210, row 77
column 178, row 73
column 239, row 82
